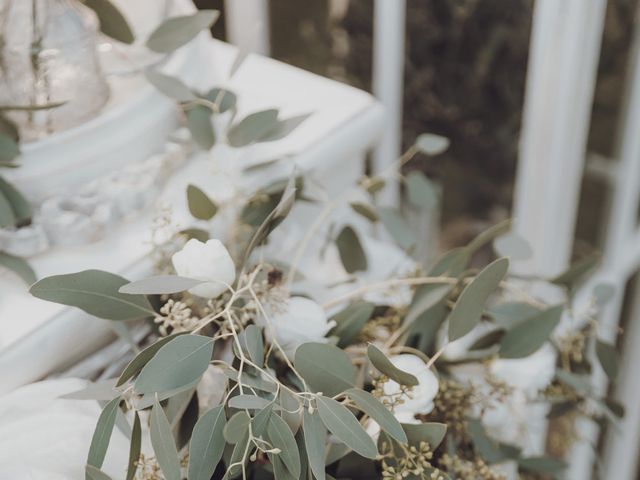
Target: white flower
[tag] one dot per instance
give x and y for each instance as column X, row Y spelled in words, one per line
column 210, row 262
column 419, row 400
column 298, row 321
column 530, row 374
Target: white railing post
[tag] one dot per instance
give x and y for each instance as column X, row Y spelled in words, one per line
column 247, row 23
column 563, row 58
column 388, row 84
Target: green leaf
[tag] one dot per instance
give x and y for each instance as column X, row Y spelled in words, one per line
column 200, row 205
column 134, row 448
column 159, row 285
column 609, row 358
column 9, row 149
column 397, row 227
column 141, row 359
column 93, row 473
column 467, row 311
column 237, row 427
column 207, row 444
column 344, row 425
column 513, row 246
column 100, row 390
column 252, row 128
column 260, row 421
column 577, row 272
column 196, row 233
column 353, row 257
column 178, row 363
column 19, row 204
column 431, row 432
column 326, row 368
column 425, row 298
column 248, row 402
column 431, row 144
column 542, row 465
column 488, row 235
column 95, row 292
column 603, row 293
column 7, row 217
column 510, row 313
column 102, row 433
column 487, row 447
column 163, row 444
column 421, row 191
column 452, row 263
column 112, row 23
column 170, row 86
column 178, row 31
column 349, row 322
column 365, row 210
column 526, row 337
column 487, row 340
column 384, row 366
column 378, row 412
column 282, row 438
column 315, row 435
column 284, row 127
column 19, row 266
column 251, row 340
column 224, row 99
column 199, row 124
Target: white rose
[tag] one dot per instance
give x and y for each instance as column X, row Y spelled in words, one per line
column 298, row 321
column 419, row 399
column 529, row 374
column 210, row 262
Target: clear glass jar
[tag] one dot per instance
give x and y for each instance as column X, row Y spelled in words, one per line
column 48, row 56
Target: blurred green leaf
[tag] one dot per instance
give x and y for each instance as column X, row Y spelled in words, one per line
column 378, row 412
column 609, row 358
column 196, row 233
column 252, row 128
column 159, row 285
column 176, row 364
column 170, row 86
column 207, row 444
column 102, row 433
column 431, row 144
column 452, row 263
column 19, row 266
column 529, row 335
column 112, row 23
column 353, row 256
column 95, row 292
column 546, row 465
column 7, row 217
column 398, row 228
column 251, row 339
column 384, row 366
column 248, row 402
column 199, row 124
column 93, row 473
column 489, row 235
column 178, row 31
column 421, row 191
column 365, row 210
column 577, row 272
column 467, row 311
column 513, row 246
column 430, row 432
column 134, row 448
column 19, row 204
column 349, row 322
column 200, row 205
column 326, row 368
column 224, row 99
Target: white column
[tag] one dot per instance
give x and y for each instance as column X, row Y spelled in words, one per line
column 247, row 23
column 565, row 46
column 388, row 83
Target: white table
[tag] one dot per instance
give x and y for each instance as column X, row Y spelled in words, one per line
column 37, row 337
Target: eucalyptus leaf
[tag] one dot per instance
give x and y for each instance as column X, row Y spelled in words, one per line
column 176, row 364
column 9, row 149
column 237, row 427
column 260, row 421
column 100, row 390
column 199, row 124
column 384, row 365
column 254, row 344
column 102, row 433
column 397, row 227
column 19, row 204
column 315, row 435
column 178, row 31
column 542, row 465
column 603, row 293
column 467, row 311
column 609, row 358
column 284, row 127
column 350, row 321
column 19, row 266
column 200, row 205
column 526, row 337
column 431, row 432
column 170, row 86
column 421, row 191
column 513, row 246
column 326, row 368
column 141, row 359
column 378, row 412
column 252, row 128
column 365, row 210
column 281, row 437
column 163, row 444
column 196, row 233
column 344, row 425
column 95, row 292
column 489, row 235
column 431, row 144
column 134, row 448
column 207, row 444
column 577, row 272
column 93, row 473
column 452, row 263
column 160, row 285
column 248, row 402
column 425, row 298
column 224, row 99
column 510, row 313
column 7, row 216
column 112, row 23
column 352, row 255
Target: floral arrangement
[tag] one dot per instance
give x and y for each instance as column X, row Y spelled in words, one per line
column 295, row 349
